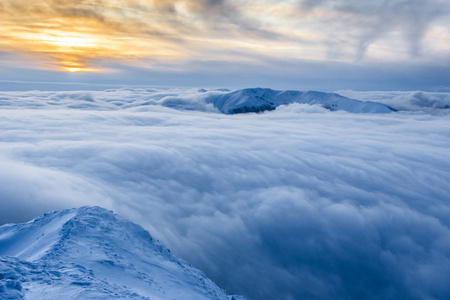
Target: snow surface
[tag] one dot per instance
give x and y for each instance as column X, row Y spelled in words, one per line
column 91, row 253
column 261, row 99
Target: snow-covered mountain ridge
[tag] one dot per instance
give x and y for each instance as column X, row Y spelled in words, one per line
column 91, row 253
column 262, row 99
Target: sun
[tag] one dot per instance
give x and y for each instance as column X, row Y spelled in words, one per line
column 75, row 64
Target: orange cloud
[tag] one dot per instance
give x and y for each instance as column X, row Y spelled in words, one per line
column 74, row 34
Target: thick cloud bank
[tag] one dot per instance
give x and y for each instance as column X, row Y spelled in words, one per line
column 294, row 203
column 417, row 101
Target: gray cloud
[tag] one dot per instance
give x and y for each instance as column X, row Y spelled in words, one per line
column 368, row 21
column 428, row 102
column 153, row 18
column 294, row 203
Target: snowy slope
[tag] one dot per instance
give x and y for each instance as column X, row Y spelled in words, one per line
column 91, row 253
column 260, row 99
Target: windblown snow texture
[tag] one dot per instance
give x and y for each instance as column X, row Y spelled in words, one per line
column 91, row 253
column 259, row 99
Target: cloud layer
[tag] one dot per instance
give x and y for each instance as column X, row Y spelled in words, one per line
column 418, row 101
column 297, row 202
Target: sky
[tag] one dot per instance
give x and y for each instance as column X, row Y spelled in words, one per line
column 292, row 44
column 296, row 203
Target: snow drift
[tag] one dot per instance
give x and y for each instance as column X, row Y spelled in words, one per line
column 89, row 253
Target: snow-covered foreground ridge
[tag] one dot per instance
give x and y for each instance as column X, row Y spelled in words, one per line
column 91, row 253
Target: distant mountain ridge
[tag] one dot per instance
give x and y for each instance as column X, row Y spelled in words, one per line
column 262, row 99
column 91, row 253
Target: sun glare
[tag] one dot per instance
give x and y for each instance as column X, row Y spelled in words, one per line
column 72, row 66
column 79, row 70
column 70, row 51
column 72, row 42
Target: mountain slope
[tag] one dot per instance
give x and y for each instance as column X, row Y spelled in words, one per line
column 261, row 99
column 91, row 253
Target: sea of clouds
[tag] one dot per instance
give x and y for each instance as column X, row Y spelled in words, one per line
column 295, row 203
column 415, row 101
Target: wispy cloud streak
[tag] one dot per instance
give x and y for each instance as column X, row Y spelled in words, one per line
column 79, row 35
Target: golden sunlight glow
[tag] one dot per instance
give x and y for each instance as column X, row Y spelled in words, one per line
column 76, row 70
column 70, row 50
column 73, row 36
column 71, row 41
